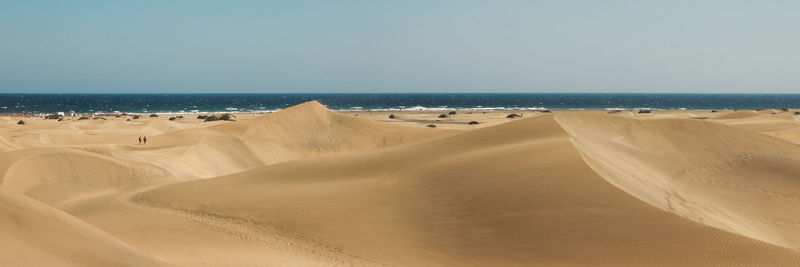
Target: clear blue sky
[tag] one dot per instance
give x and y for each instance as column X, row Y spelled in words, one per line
column 399, row 46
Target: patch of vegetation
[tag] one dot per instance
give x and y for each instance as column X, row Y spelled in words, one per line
column 451, row 113
column 201, row 117
column 172, row 118
column 431, row 126
column 153, row 115
column 227, row 117
column 472, row 122
column 211, row 118
column 442, row 116
column 21, row 122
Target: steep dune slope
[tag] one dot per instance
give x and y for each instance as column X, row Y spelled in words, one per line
column 516, row 193
column 733, row 179
column 34, row 234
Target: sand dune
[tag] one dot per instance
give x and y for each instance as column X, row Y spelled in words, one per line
column 514, row 193
column 729, row 178
column 310, row 187
column 307, row 130
column 37, row 235
column 55, row 176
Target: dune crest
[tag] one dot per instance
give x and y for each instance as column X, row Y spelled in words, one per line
column 729, row 178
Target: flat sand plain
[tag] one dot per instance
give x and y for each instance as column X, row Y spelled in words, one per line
column 307, row 186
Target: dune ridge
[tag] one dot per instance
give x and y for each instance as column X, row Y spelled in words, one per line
column 729, row 178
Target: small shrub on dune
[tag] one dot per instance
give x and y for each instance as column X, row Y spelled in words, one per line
column 211, row 118
column 153, row 115
column 431, row 126
column 226, row 117
column 451, row 113
column 201, row 117
column 442, row 116
column 472, row 122
column 21, row 122
column 172, row 118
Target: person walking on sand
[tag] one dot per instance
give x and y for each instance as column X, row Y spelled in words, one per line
column 145, row 140
column 140, row 139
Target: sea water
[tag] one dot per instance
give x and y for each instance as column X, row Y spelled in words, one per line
column 193, row 103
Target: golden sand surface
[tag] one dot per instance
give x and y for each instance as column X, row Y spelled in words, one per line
column 307, row 186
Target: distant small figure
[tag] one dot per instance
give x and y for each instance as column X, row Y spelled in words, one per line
column 145, row 140
column 140, row 139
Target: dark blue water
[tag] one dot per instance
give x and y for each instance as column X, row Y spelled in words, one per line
column 168, row 103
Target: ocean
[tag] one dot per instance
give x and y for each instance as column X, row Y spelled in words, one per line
column 193, row 103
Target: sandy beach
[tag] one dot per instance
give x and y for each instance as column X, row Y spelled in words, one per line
column 306, row 186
